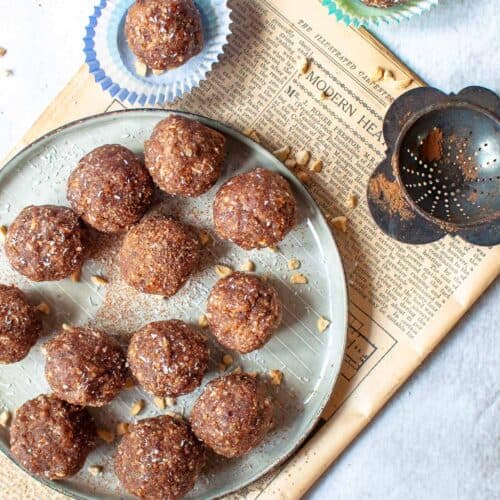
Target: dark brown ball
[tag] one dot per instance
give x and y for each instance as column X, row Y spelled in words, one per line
column 20, row 325
column 243, row 311
column 85, row 367
column 159, row 458
column 110, row 189
column 51, row 438
column 184, row 157
column 164, row 34
column 233, row 414
column 168, row 358
column 255, row 209
column 158, row 255
column 46, row 243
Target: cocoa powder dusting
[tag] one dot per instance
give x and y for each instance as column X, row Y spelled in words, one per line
column 432, row 146
column 389, row 195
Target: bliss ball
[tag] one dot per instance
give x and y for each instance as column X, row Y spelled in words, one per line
column 233, row 414
column 164, row 34
column 168, row 358
column 184, row 157
column 110, row 189
column 158, row 255
column 159, row 458
column 51, row 438
column 255, row 209
column 85, row 367
column 243, row 311
column 46, row 243
column 20, row 325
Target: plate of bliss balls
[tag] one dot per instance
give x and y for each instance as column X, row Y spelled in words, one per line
column 173, row 308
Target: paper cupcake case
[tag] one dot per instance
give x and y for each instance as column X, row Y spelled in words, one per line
column 356, row 13
column 112, row 63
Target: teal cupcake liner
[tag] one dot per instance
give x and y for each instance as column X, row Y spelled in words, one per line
column 356, row 13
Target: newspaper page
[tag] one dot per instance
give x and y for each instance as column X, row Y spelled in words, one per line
column 403, row 298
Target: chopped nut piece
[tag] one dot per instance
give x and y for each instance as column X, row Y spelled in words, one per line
column 322, row 324
column 248, row 266
column 388, row 74
column 298, row 279
column 352, row 201
column 404, row 84
column 227, row 359
column 76, row 275
column 223, row 271
column 160, row 403
column 221, row 367
column 66, row 327
column 158, row 71
column 43, row 307
column 303, row 176
column 174, row 414
column 140, row 68
column 276, row 377
column 99, row 280
column 273, row 249
column 253, row 374
column 252, row 133
column 377, row 75
column 316, row 166
column 137, row 407
column 130, row 383
column 290, row 163
column 8, row 72
column 3, row 232
column 105, row 435
column 122, row 428
column 3, row 51
column 204, row 238
column 340, row 223
column 170, row 401
column 95, row 470
column 302, row 157
column 5, row 418
column 203, row 321
column 304, row 65
column 237, row 370
column 293, row 264
column 282, row 153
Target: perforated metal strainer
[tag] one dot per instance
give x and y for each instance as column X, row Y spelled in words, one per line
column 442, row 170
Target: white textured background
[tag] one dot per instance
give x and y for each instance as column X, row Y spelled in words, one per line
column 439, row 437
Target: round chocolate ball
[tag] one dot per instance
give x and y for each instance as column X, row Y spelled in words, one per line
column 51, row 438
column 184, row 157
column 233, row 414
column 243, row 311
column 164, row 34
column 46, row 243
column 158, row 255
column 159, row 458
column 110, row 189
column 168, row 358
column 255, row 209
column 20, row 325
column 85, row 367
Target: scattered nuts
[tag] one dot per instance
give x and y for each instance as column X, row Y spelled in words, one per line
column 282, row 153
column 293, row 264
column 290, row 163
column 5, row 418
column 204, row 238
column 303, row 177
column 322, row 324
column 252, row 133
column 174, row 414
column 273, row 249
column 3, row 51
column 76, row 275
column 253, row 374
column 99, row 280
column 339, row 223
column 160, row 403
column 3, row 232
column 298, row 279
column 304, row 65
column 404, row 84
column 122, row 428
column 105, row 435
column 316, row 166
column 137, row 407
column 203, row 321
column 352, row 201
column 170, row 401
column 227, row 359
column 43, row 307
column 158, row 71
column 223, row 271
column 237, row 370
column 248, row 266
column 95, row 470
column 377, row 75
column 302, row 157
column 276, row 377
column 388, row 74
column 66, row 327
column 140, row 68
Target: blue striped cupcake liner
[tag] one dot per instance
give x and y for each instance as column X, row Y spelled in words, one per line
column 356, row 13
column 112, row 63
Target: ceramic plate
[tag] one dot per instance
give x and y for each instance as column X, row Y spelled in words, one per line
column 309, row 360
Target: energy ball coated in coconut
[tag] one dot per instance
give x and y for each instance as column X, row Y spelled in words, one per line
column 255, row 209
column 85, row 367
column 184, row 157
column 243, row 312
column 110, row 189
column 46, row 243
column 168, row 358
column 20, row 325
column 164, row 34
column 158, row 255
column 233, row 414
column 52, row 438
column 159, row 458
